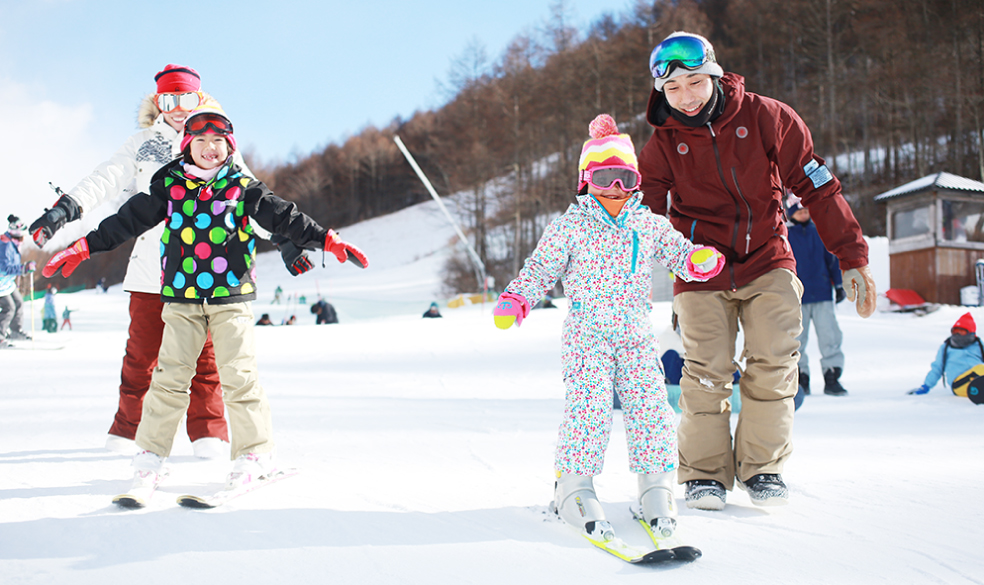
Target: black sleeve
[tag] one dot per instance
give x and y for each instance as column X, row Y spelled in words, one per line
column 278, row 216
column 140, row 213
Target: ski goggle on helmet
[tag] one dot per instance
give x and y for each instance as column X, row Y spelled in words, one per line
column 168, row 102
column 605, row 177
column 685, row 51
column 201, row 123
column 205, row 121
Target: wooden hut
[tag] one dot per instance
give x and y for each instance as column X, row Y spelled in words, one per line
column 935, row 235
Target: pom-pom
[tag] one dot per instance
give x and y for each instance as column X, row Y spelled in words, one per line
column 602, row 126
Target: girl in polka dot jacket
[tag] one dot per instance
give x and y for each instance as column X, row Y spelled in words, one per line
column 208, row 268
column 604, row 248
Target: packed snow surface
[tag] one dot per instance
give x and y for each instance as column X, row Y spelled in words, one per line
column 426, row 450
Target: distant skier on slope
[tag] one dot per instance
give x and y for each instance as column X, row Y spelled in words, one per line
column 208, row 265
column 604, row 248
column 11, row 302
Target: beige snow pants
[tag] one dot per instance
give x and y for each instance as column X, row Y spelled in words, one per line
column 186, row 326
column 768, row 310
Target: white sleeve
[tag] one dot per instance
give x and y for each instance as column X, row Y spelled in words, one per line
column 109, row 179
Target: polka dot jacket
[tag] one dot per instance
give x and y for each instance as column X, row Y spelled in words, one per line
column 208, row 248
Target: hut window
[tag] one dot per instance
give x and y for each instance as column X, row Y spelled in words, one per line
column 910, row 222
column 963, row 221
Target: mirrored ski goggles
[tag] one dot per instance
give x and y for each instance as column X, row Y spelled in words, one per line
column 168, row 102
column 687, row 52
column 605, row 177
column 201, row 123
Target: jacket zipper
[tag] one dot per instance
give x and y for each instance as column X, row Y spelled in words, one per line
column 635, row 249
column 748, row 232
column 724, row 181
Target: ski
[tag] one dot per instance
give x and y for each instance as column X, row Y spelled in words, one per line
column 603, row 537
column 225, row 495
column 141, row 491
column 32, row 345
column 666, row 540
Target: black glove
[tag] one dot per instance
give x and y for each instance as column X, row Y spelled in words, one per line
column 295, row 259
column 64, row 211
column 839, row 294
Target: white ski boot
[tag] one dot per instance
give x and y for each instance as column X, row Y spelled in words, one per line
column 210, row 448
column 657, row 502
column 576, row 503
column 148, row 473
column 248, row 468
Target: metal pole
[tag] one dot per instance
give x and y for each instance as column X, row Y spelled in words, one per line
column 31, row 280
column 479, row 266
column 979, row 269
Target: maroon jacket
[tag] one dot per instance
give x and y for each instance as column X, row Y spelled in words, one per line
column 726, row 185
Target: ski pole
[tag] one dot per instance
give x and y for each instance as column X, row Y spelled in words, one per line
column 30, row 279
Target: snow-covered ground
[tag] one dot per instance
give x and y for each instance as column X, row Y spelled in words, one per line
column 426, row 450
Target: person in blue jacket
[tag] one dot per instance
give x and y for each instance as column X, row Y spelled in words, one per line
column 819, row 271
column 11, row 303
column 960, row 352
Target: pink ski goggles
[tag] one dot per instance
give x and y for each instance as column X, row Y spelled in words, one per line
column 605, row 177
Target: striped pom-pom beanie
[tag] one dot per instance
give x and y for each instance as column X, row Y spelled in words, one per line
column 605, row 148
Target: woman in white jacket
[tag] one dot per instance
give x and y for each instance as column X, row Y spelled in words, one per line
column 161, row 118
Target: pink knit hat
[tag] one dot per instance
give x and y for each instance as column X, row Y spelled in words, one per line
column 605, row 148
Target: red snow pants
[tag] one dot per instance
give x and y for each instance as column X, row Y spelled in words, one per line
column 206, row 411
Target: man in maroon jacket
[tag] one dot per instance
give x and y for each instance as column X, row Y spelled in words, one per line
column 724, row 155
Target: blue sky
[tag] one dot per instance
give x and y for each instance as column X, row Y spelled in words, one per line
column 293, row 76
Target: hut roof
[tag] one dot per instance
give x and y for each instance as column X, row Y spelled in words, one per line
column 931, row 182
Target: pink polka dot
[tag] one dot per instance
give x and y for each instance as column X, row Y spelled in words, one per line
column 232, row 193
column 177, row 191
column 206, row 193
column 203, row 250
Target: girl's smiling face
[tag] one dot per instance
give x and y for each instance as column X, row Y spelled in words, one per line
column 209, row 150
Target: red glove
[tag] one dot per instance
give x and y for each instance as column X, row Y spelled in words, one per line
column 344, row 251
column 67, row 260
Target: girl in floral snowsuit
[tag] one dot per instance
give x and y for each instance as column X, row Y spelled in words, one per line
column 603, row 248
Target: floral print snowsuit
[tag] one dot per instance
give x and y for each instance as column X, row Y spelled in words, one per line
column 606, row 265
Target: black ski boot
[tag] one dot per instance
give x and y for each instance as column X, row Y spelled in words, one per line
column 804, row 382
column 831, row 383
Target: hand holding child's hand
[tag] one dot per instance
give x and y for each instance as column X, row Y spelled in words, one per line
column 510, row 308
column 705, row 263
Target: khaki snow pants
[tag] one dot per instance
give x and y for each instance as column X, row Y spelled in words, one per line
column 768, row 310
column 186, row 326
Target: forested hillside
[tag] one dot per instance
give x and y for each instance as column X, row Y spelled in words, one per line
column 898, row 85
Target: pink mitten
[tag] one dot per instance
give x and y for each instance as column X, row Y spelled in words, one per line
column 705, row 263
column 510, row 308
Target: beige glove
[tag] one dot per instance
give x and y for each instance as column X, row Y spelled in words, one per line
column 860, row 287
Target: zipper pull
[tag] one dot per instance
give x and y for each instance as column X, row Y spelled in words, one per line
column 748, row 242
column 711, row 128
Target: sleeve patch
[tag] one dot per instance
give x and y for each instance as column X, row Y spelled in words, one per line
column 818, row 174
